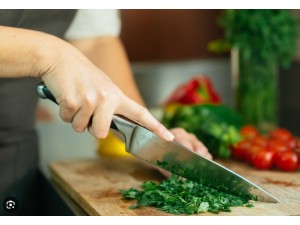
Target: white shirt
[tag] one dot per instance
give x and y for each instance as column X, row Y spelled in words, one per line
column 89, row 23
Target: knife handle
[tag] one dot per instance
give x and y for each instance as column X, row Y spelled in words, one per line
column 118, row 123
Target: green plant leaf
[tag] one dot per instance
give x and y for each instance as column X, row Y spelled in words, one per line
column 269, row 35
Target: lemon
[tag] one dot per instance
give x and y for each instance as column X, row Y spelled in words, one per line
column 112, row 147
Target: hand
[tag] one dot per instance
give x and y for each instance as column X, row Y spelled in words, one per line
column 190, row 141
column 82, row 90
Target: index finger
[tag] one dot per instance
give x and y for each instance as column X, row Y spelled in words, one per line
column 141, row 115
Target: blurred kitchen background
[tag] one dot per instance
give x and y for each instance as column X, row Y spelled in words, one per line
column 166, row 48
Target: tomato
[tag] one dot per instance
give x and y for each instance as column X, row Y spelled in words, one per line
column 297, row 143
column 276, row 150
column 278, row 146
column 252, row 151
column 249, row 132
column 292, row 142
column 263, row 159
column 260, row 140
column 286, row 161
column 280, row 134
column 239, row 150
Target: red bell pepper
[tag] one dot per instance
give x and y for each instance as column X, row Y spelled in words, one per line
column 198, row 90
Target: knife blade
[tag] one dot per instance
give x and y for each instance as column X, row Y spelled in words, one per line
column 176, row 158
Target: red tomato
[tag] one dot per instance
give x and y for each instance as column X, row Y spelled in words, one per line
column 281, row 134
column 286, row 161
column 252, row 151
column 292, row 142
column 297, row 143
column 263, row 159
column 239, row 150
column 249, row 132
column 278, row 146
column 260, row 140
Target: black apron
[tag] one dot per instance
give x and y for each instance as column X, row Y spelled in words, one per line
column 18, row 100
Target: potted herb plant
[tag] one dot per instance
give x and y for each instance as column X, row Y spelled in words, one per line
column 261, row 41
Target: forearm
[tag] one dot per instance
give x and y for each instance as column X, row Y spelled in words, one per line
column 108, row 54
column 23, row 52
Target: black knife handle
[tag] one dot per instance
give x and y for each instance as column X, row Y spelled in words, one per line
column 43, row 92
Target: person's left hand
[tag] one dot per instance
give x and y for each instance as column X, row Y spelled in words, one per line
column 190, row 141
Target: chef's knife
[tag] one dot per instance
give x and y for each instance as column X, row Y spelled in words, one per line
column 176, row 158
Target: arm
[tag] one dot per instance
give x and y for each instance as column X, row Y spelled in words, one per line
column 20, row 54
column 81, row 89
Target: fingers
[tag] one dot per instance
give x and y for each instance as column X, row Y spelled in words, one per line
column 190, row 141
column 101, row 121
column 203, row 151
column 70, row 73
column 81, row 119
column 199, row 147
column 68, row 109
column 141, row 115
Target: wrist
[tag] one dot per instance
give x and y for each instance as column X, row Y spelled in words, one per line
column 48, row 50
column 26, row 52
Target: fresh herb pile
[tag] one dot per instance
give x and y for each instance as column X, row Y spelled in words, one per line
column 269, row 35
column 179, row 196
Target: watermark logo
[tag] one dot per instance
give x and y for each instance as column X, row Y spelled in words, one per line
column 10, row 204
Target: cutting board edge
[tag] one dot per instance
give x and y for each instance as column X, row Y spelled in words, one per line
column 70, row 191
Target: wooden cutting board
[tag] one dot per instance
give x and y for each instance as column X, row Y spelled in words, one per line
column 94, row 185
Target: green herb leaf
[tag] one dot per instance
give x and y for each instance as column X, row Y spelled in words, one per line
column 269, row 35
column 179, row 196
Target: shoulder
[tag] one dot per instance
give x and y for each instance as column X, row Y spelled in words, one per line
column 94, row 22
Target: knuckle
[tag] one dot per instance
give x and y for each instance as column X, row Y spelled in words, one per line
column 65, row 116
column 70, row 104
column 158, row 127
column 90, row 100
column 181, row 130
column 177, row 135
column 103, row 95
column 178, row 130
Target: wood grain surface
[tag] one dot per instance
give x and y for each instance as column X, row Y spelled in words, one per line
column 94, row 184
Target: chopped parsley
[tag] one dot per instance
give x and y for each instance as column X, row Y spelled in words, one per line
column 180, row 196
